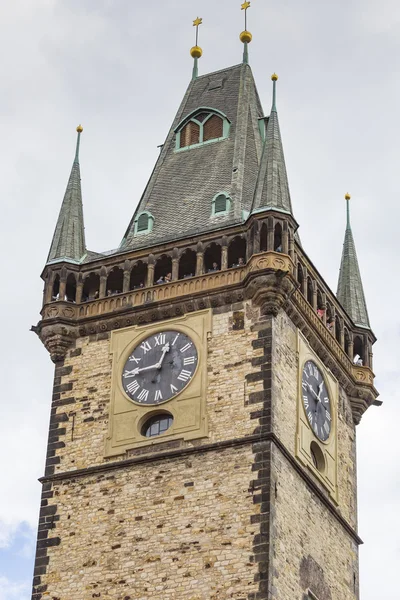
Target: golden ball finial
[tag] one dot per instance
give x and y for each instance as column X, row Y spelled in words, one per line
column 246, row 37
column 196, row 52
column 79, row 129
column 274, row 77
column 347, row 196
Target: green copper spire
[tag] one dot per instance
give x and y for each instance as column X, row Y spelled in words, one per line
column 350, row 292
column 272, row 187
column 68, row 242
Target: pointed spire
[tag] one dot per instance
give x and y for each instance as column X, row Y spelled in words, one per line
column 68, row 242
column 245, row 36
column 272, row 188
column 350, row 292
column 196, row 52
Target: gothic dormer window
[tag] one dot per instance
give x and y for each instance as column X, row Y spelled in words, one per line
column 144, row 223
column 221, row 205
column 202, row 127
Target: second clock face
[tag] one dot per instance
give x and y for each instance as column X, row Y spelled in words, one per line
column 160, row 367
column 316, row 401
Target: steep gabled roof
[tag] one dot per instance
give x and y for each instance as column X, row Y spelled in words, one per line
column 183, row 184
column 350, row 292
column 68, row 242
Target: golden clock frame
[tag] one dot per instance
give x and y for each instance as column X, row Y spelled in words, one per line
column 188, row 408
column 326, row 452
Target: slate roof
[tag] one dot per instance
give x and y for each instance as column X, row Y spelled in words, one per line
column 68, row 242
column 272, row 190
column 183, row 184
column 350, row 292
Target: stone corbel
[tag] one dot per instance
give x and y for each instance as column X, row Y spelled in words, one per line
column 57, row 339
column 271, row 291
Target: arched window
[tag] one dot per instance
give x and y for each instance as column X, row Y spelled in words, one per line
column 56, row 288
column 212, row 258
column 91, row 287
column 221, row 205
column 300, row 276
column 203, row 126
column 138, row 276
column 347, row 342
column 338, row 330
column 187, row 264
column 70, row 290
column 278, row 238
column 144, row 223
column 157, row 425
column 163, row 270
column 237, row 252
column 263, row 238
column 310, row 293
column 358, row 349
column 115, row 281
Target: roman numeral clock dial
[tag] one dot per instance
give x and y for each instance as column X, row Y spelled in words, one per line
column 159, row 368
column 316, row 401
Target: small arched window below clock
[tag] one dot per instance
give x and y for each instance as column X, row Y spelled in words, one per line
column 157, row 425
column 221, row 205
column 144, row 223
column 203, row 126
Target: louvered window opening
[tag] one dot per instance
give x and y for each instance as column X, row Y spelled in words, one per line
column 213, row 128
column 190, row 134
column 220, row 204
column 143, row 223
column 203, row 128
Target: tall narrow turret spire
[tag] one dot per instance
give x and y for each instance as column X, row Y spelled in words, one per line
column 245, row 36
column 196, row 52
column 272, row 188
column 350, row 292
column 68, row 242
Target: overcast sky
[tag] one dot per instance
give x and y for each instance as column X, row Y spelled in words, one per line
column 121, row 69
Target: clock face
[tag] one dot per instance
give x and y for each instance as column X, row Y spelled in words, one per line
column 316, row 401
column 159, row 367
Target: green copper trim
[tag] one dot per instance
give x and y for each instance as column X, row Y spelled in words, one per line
column 273, row 109
column 195, row 73
column 78, row 143
column 246, row 54
column 199, row 110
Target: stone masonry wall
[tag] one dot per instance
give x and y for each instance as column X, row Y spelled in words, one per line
column 310, row 547
column 83, row 395
column 284, row 398
column 166, row 530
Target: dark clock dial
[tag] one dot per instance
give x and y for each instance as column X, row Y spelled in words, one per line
column 316, row 401
column 159, row 367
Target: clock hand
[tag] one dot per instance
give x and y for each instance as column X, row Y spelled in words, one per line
column 310, row 387
column 165, row 349
column 136, row 371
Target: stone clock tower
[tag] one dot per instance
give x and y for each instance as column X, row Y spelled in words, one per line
column 202, row 441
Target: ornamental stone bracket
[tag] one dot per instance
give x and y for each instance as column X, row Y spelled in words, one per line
column 270, row 291
column 57, row 338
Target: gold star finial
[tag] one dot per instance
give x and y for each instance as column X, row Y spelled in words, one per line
column 196, row 52
column 245, row 5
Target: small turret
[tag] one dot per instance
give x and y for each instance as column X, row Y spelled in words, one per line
column 68, row 244
column 350, row 292
column 272, row 188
